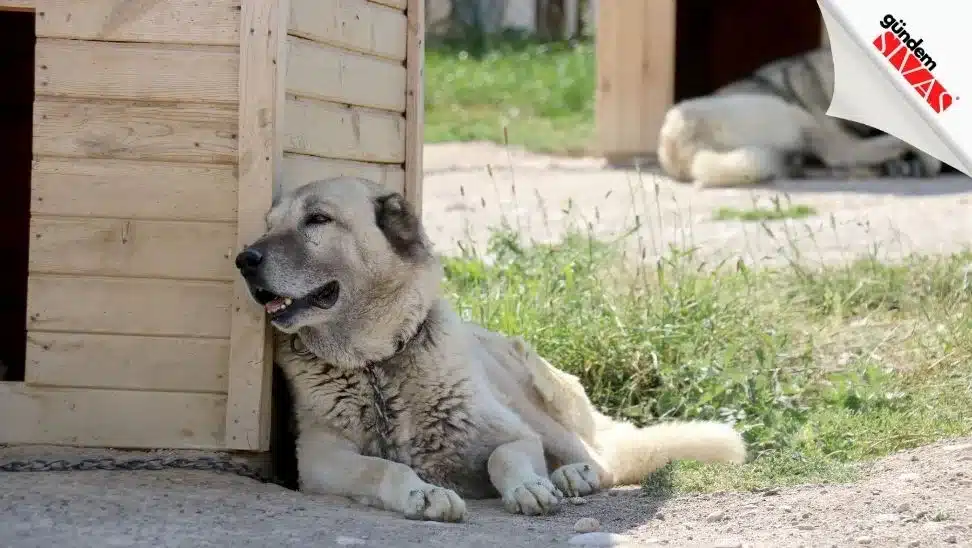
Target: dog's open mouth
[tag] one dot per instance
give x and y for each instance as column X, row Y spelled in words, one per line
column 278, row 306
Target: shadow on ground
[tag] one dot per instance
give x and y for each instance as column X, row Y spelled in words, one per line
column 192, row 508
column 939, row 186
column 918, row 497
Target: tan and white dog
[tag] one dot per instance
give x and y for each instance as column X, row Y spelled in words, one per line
column 762, row 126
column 403, row 405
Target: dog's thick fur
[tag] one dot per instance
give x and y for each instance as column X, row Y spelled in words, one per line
column 762, row 127
column 473, row 413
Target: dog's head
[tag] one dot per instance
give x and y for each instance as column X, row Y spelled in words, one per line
column 340, row 257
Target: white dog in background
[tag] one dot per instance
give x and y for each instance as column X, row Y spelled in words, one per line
column 763, row 126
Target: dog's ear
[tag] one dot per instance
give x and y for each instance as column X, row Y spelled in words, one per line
column 401, row 226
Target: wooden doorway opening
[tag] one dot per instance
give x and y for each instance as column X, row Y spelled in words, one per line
column 16, row 125
column 718, row 42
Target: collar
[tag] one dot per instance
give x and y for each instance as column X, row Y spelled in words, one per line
column 300, row 349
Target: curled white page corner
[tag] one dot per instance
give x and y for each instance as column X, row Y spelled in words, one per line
column 867, row 92
column 861, row 94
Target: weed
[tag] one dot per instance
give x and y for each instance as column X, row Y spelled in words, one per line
column 764, row 213
column 543, row 94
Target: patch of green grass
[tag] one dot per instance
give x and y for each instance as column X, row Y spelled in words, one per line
column 819, row 368
column 540, row 96
column 775, row 213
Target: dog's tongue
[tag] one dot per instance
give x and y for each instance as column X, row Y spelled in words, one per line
column 276, row 305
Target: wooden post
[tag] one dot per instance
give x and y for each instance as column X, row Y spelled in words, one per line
column 414, row 102
column 571, row 18
column 263, row 33
column 635, row 75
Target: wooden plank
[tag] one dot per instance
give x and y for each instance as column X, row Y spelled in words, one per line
column 331, row 74
column 352, row 24
column 299, row 169
column 214, row 22
column 17, row 5
column 126, row 247
column 176, row 132
column 145, row 72
column 572, row 16
column 398, row 4
column 83, row 187
column 415, row 101
column 263, row 50
column 111, row 418
column 330, row 130
column 128, row 306
column 127, row 362
column 635, row 74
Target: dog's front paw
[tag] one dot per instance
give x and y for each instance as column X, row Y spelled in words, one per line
column 533, row 497
column 912, row 165
column 435, row 504
column 900, row 168
column 576, row 480
column 794, row 165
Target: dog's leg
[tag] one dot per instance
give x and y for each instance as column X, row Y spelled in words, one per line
column 859, row 153
column 329, row 465
column 836, row 148
column 519, row 472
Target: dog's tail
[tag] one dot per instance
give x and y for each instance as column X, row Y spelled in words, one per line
column 712, row 168
column 623, row 453
column 685, row 153
column 631, row 453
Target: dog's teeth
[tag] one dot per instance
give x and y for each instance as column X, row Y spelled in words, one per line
column 277, row 305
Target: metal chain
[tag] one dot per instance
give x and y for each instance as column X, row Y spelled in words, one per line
column 381, row 413
column 380, row 404
column 156, row 463
column 383, row 424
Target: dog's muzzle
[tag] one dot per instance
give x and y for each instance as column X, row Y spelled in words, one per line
column 278, row 306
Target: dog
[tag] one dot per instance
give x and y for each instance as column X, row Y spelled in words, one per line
column 767, row 124
column 402, row 405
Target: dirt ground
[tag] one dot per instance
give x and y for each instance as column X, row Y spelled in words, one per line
column 921, row 497
column 471, row 187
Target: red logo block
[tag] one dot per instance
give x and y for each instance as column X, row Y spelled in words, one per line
column 911, row 68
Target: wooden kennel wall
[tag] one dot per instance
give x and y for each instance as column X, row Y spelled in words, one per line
column 651, row 53
column 160, row 131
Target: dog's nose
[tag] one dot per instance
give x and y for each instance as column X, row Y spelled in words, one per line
column 248, row 260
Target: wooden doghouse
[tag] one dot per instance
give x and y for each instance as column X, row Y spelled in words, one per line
column 651, row 53
column 142, row 143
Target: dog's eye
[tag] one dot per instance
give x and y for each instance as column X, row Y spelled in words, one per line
column 317, row 219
